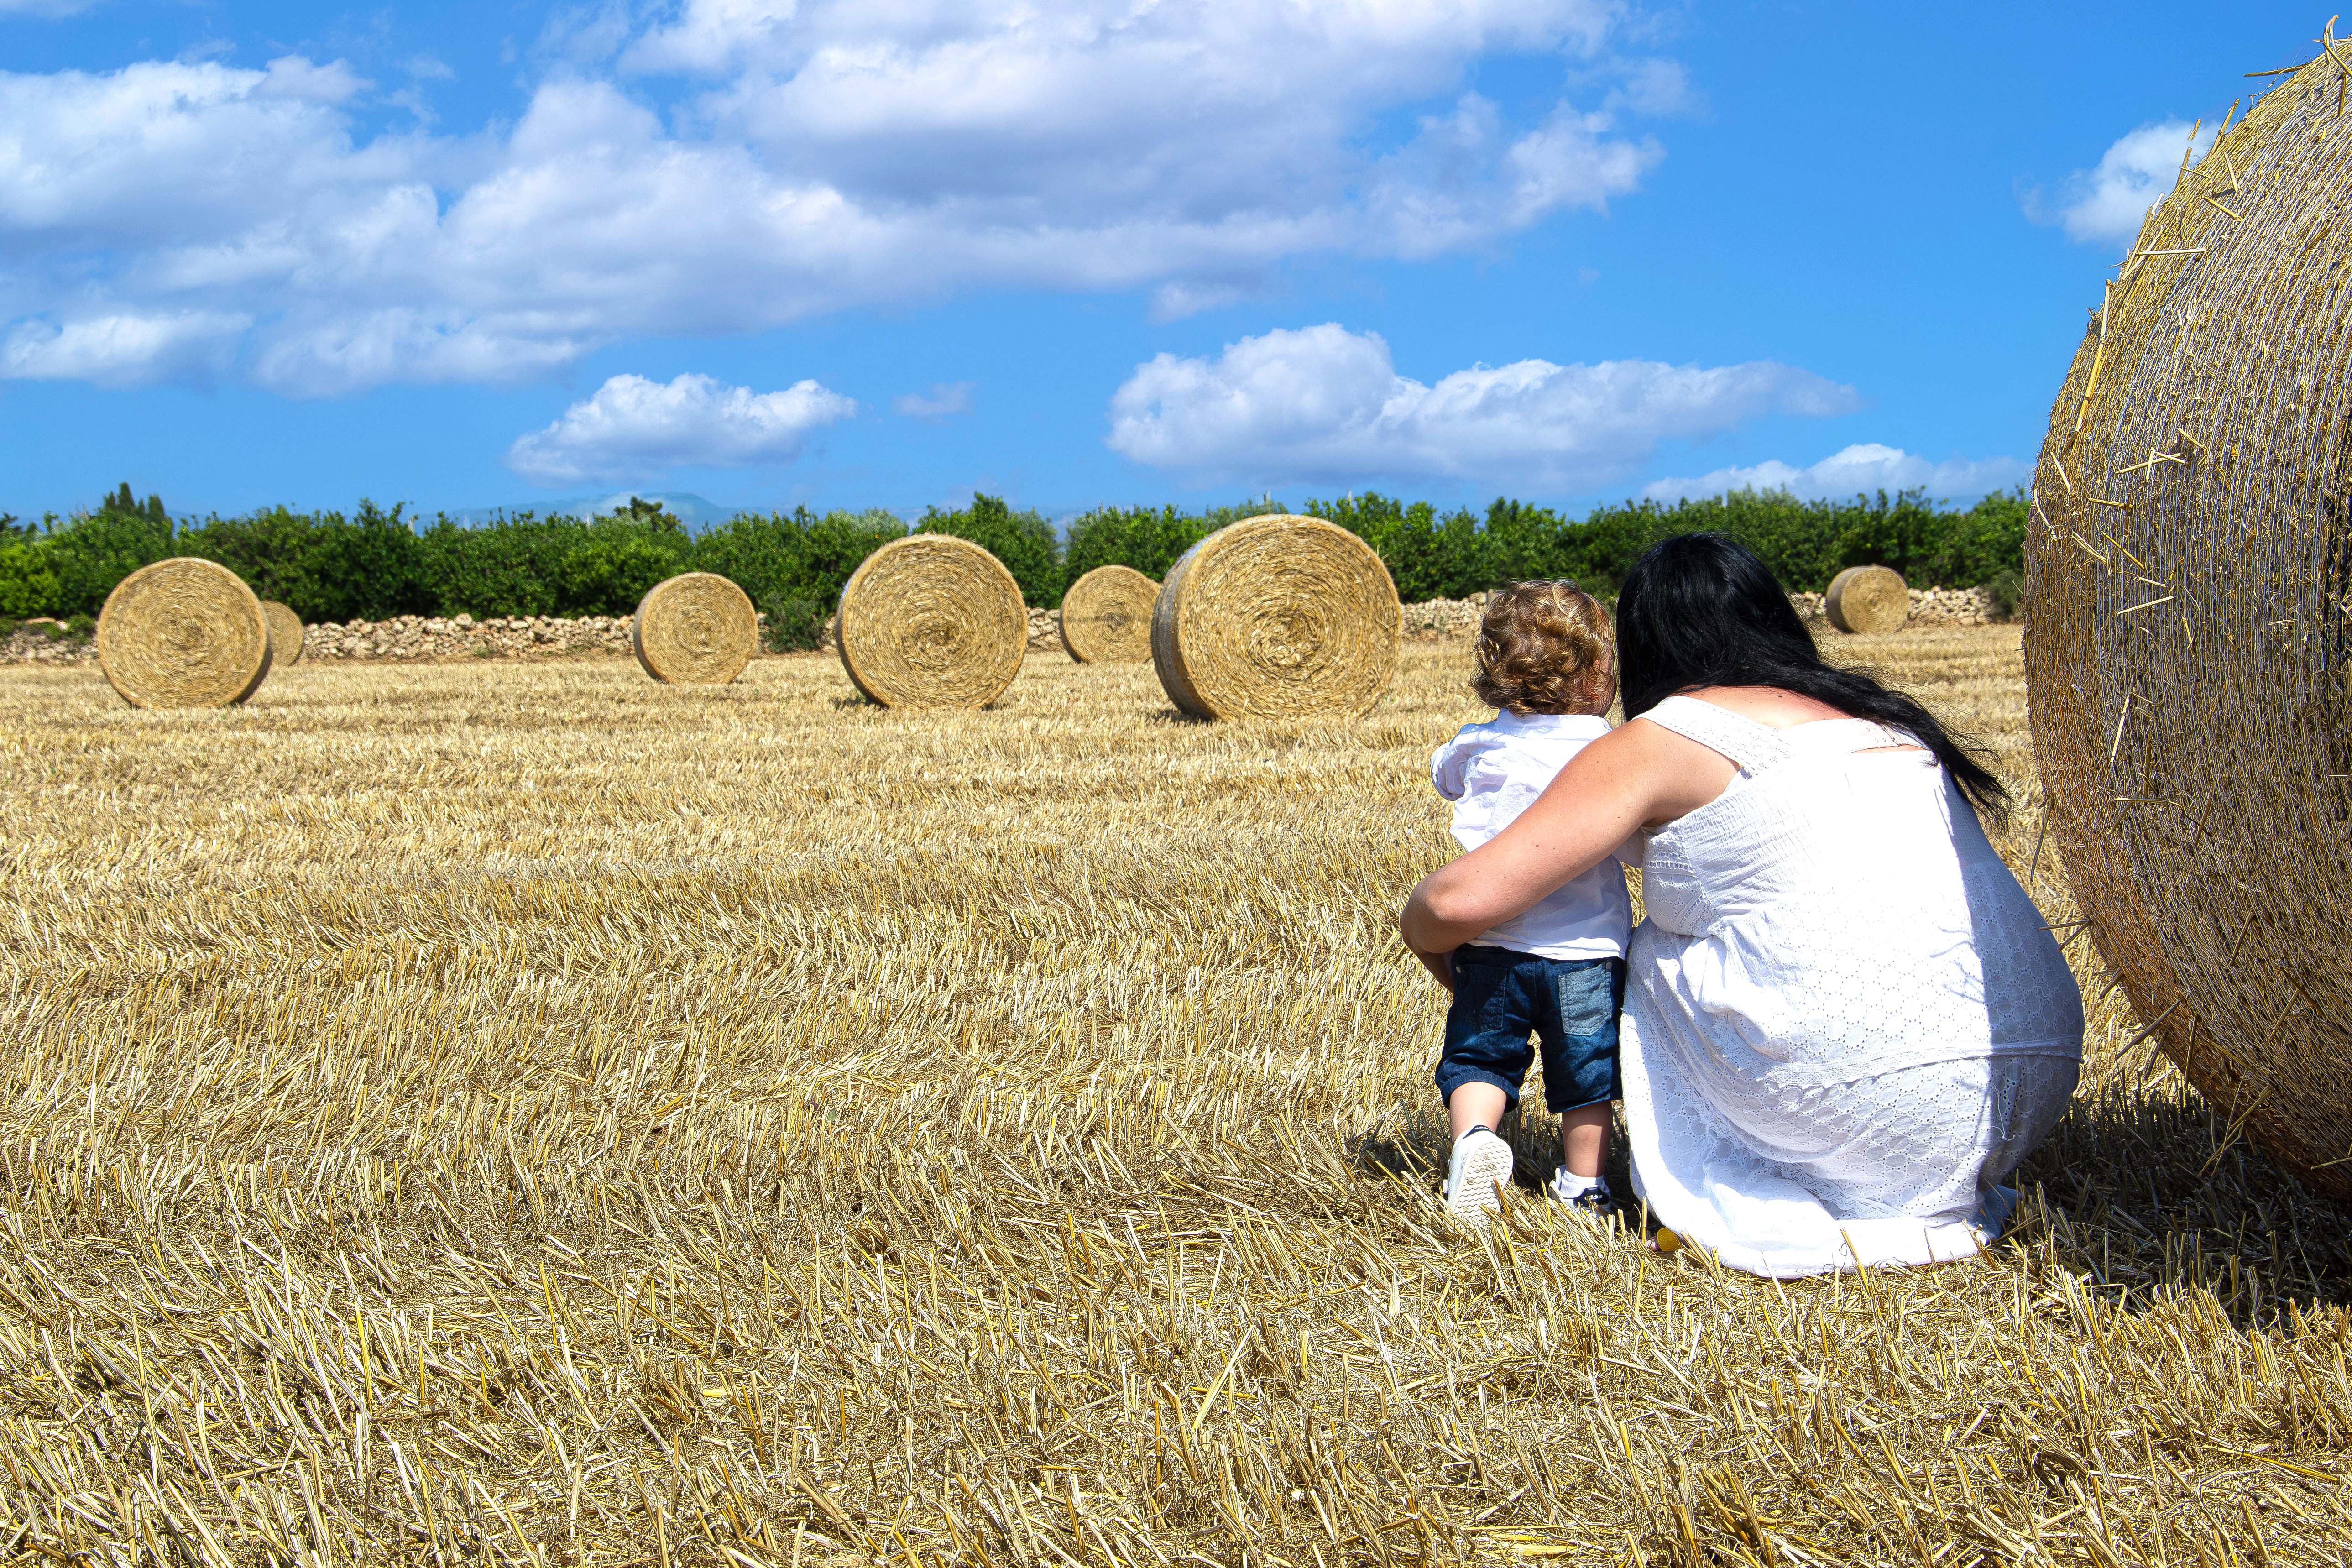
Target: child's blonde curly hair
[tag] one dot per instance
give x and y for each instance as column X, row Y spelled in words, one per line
column 1545, row 647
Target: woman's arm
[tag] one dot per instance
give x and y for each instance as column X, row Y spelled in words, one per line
column 1637, row 774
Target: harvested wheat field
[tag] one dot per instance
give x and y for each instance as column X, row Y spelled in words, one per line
column 520, row 1113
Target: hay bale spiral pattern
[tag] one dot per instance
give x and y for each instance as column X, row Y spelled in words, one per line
column 1276, row 617
column 695, row 630
column 285, row 635
column 2188, row 632
column 183, row 633
column 932, row 621
column 1867, row 599
column 1107, row 616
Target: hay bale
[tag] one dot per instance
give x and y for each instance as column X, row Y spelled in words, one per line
column 183, row 633
column 285, row 635
column 1107, row 616
column 1867, row 599
column 695, row 630
column 2188, row 570
column 932, row 621
column 1276, row 617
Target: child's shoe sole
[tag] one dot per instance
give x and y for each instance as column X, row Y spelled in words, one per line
column 1473, row 1195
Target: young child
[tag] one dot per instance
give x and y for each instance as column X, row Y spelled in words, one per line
column 1546, row 661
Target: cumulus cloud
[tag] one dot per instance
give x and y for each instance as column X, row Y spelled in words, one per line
column 943, row 401
column 1323, row 403
column 1858, row 469
column 827, row 154
column 2104, row 205
column 634, row 429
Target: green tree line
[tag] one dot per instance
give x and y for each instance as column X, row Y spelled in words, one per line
column 373, row 563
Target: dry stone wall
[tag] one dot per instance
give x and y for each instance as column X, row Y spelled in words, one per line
column 422, row 637
column 1434, row 620
column 45, row 641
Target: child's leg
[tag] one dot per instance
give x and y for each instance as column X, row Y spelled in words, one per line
column 1584, row 1139
column 1580, row 1051
column 1476, row 1104
column 1486, row 1053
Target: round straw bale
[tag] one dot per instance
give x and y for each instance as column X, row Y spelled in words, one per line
column 285, row 635
column 1276, row 617
column 1107, row 616
column 1867, row 599
column 183, row 633
column 932, row 621
column 695, row 630
column 2189, row 628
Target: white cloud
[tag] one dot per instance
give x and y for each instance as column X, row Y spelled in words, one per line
column 634, row 429
column 2106, row 204
column 1323, row 403
column 44, row 7
column 1175, row 302
column 944, row 400
column 1457, row 183
column 1660, row 88
column 120, row 350
column 1859, row 469
column 828, row 154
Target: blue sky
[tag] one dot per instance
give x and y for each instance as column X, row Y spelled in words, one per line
column 886, row 252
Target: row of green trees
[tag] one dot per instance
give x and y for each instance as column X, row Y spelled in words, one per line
column 374, row 564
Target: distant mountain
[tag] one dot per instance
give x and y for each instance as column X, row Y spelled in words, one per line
column 690, row 509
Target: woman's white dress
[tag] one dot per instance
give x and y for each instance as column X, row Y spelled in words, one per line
column 1845, row 1023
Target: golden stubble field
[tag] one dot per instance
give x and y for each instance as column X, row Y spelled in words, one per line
column 511, row 1113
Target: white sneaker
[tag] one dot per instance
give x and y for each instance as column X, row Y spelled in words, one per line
column 1480, row 1167
column 1595, row 1198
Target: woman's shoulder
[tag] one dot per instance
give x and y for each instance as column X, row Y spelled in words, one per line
column 1773, row 707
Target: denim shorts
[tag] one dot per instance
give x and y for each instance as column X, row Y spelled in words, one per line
column 1570, row 1004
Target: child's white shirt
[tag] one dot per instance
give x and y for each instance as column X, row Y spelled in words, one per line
column 1492, row 773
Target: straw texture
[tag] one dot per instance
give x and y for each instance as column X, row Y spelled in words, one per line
column 487, row 1115
column 1107, row 616
column 695, row 630
column 1276, row 617
column 932, row 621
column 1867, row 599
column 285, row 635
column 183, row 633
column 2188, row 572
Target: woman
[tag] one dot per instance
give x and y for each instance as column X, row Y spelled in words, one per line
column 1844, row 1021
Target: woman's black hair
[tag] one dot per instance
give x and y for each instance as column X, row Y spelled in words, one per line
column 1701, row 610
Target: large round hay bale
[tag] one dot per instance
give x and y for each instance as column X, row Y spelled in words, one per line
column 2188, row 647
column 285, row 635
column 183, row 633
column 1276, row 617
column 695, row 630
column 1107, row 616
column 1836, row 583
column 1867, row 599
column 932, row 621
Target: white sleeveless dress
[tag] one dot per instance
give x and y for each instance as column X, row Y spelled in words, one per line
column 1844, row 1022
